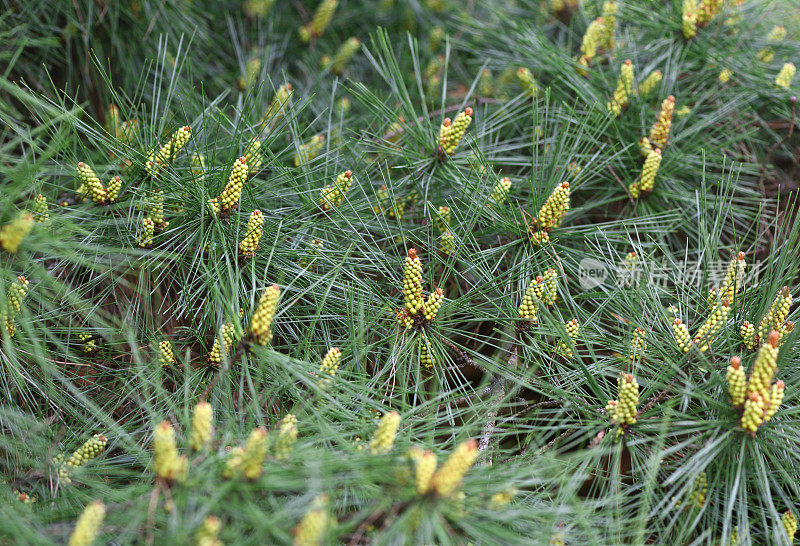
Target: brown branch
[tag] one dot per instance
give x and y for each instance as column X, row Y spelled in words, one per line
column 653, row 401
column 617, row 178
column 497, row 391
column 553, row 442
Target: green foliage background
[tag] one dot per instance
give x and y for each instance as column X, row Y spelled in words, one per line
column 727, row 182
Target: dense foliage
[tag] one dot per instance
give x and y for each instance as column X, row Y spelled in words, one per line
column 399, row 272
